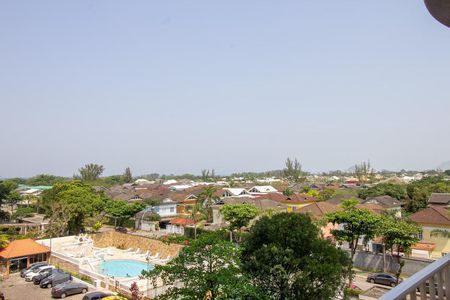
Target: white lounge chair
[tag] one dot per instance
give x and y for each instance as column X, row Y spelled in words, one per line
column 165, row 259
column 109, row 252
column 128, row 250
column 145, row 254
column 137, row 251
column 154, row 256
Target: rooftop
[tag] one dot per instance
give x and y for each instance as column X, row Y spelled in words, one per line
column 20, row 248
column 433, row 215
column 439, row 198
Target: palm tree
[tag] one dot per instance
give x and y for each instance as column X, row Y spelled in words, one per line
column 196, row 213
column 440, row 233
column 207, row 198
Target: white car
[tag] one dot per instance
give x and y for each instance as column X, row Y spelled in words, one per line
column 30, row 275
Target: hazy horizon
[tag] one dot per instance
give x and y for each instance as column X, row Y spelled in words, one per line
column 176, row 87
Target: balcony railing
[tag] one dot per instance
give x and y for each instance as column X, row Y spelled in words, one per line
column 431, row 282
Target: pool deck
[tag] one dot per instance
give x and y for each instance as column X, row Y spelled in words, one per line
column 88, row 258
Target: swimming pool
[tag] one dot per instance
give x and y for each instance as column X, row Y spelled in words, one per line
column 123, row 267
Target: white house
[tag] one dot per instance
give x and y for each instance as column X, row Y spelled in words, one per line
column 235, row 192
column 167, row 208
column 170, row 181
column 142, row 181
column 179, row 187
column 263, row 189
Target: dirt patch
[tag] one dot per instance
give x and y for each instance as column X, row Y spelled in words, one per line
column 126, row 241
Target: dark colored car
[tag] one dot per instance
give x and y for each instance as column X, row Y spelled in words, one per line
column 55, row 279
column 96, row 296
column 121, row 229
column 382, row 278
column 44, row 274
column 32, row 267
column 2, row 296
column 69, row 288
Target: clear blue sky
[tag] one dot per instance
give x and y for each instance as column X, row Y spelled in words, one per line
column 178, row 86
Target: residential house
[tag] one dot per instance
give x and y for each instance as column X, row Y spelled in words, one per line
column 433, row 220
column 262, row 189
column 177, row 225
column 317, row 211
column 235, row 192
column 142, row 220
column 293, row 202
column 167, row 208
column 179, row 187
column 386, row 202
column 439, row 199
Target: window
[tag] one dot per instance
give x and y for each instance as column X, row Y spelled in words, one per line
column 420, row 235
column 172, row 209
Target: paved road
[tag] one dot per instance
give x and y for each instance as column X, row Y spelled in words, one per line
column 16, row 288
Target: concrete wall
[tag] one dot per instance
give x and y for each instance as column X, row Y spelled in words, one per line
column 125, row 241
column 368, row 260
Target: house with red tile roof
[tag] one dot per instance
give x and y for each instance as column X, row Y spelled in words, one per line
column 318, row 211
column 293, row 202
column 435, row 222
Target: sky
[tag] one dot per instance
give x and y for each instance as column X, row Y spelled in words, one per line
column 180, row 86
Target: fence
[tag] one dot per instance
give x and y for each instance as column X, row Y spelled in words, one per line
column 372, row 261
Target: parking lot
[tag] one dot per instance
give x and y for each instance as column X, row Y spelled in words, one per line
column 15, row 288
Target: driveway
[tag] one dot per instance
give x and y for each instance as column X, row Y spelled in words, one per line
column 15, row 288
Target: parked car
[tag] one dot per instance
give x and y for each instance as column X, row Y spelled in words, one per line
column 55, row 279
column 30, row 275
column 69, row 288
column 2, row 296
column 32, row 267
column 427, row 289
column 121, row 229
column 382, row 278
column 45, row 274
column 96, row 296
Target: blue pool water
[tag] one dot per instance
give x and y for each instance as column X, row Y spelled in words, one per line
column 123, row 267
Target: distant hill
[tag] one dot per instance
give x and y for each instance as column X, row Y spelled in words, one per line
column 444, row 166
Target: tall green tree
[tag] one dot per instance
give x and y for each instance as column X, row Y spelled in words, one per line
column 6, row 188
column 45, row 179
column 196, row 213
column 356, row 224
column 364, row 172
column 285, row 256
column 13, row 198
column 208, row 198
column 420, row 191
column 293, row 170
column 209, row 268
column 238, row 215
column 326, row 194
column 68, row 204
column 121, row 210
column 394, row 190
column 398, row 234
column 91, row 172
column 127, row 177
